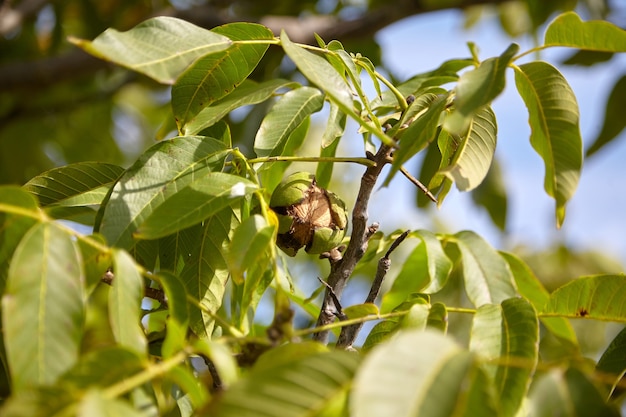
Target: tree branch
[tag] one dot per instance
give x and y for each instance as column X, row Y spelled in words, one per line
column 341, row 269
column 34, row 75
column 349, row 333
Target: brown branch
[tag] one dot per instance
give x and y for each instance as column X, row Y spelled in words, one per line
column 349, row 333
column 341, row 270
column 45, row 72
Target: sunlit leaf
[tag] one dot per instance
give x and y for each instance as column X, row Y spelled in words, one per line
column 79, row 184
column 95, row 262
column 178, row 317
column 13, row 227
column 161, row 47
column 304, row 387
column 614, row 121
column 43, row 307
column 103, row 367
column 446, row 73
column 507, row 334
column 533, row 290
column 361, row 310
column 200, row 199
column 270, row 173
column 249, row 243
column 426, row 270
column 160, row 172
column 330, row 141
column 555, row 131
column 42, row 401
column 600, row 297
column 216, row 75
column 421, row 373
column 478, row 88
column 222, row 358
column 613, row 361
column 569, row 30
column 284, row 117
column 420, row 132
column 248, row 92
column 125, row 303
column 567, row 392
column 487, row 276
column 474, row 154
column 96, row 404
column 206, row 272
column 188, row 382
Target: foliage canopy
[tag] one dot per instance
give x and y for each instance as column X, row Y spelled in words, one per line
column 154, row 310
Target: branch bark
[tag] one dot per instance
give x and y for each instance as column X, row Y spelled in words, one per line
column 341, row 269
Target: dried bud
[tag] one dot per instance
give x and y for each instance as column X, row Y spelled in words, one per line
column 308, row 215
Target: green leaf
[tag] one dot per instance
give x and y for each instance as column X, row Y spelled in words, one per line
column 446, row 73
column 160, row 172
column 96, row 404
column 614, row 121
column 600, row 297
column 613, row 360
column 421, row 373
column 222, row 358
column 324, row 171
column 161, row 47
column 555, row 132
column 361, row 310
column 102, row 368
column 426, row 270
column 284, row 117
column 178, row 317
column 206, row 272
column 190, row 384
column 247, row 93
column 217, row 74
column 43, row 307
column 487, row 276
column 569, row 30
column 420, row 132
column 95, row 262
column 42, row 401
column 507, row 334
column 474, row 154
column 13, row 227
column 533, row 290
column 271, row 173
column 304, row 387
column 478, row 88
column 323, row 75
column 79, row 184
column 567, row 392
column 125, row 303
column 73, row 191
column 249, row 243
column 200, row 199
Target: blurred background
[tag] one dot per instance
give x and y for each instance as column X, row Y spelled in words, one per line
column 59, row 106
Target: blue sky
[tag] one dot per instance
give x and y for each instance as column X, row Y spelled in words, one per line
column 595, row 214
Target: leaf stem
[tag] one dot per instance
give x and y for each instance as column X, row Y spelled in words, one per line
column 398, row 95
column 355, row 160
column 348, row 322
column 158, row 369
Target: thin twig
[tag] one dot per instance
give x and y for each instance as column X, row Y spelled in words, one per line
column 349, row 333
column 338, row 310
column 418, row 184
